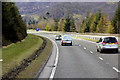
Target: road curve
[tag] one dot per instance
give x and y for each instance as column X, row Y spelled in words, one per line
column 83, row 61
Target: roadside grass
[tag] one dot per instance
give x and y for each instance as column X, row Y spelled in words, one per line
column 32, row 70
column 15, row 53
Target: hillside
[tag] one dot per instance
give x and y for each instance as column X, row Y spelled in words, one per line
column 59, row 9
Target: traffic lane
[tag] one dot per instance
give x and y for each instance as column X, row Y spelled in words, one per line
column 110, row 58
column 75, row 62
column 53, row 37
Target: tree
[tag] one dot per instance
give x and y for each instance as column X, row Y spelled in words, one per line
column 56, row 24
column 15, row 29
column 67, row 23
column 72, row 26
column 41, row 24
column 116, row 20
column 60, row 25
column 102, row 24
column 83, row 26
column 98, row 16
column 109, row 28
column 92, row 23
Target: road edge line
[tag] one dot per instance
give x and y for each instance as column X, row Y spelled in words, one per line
column 56, row 62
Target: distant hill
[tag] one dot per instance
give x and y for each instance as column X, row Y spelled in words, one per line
column 59, row 9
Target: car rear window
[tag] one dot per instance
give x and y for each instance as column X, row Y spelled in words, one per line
column 110, row 40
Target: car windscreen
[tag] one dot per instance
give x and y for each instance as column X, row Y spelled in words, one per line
column 58, row 36
column 110, row 40
column 67, row 38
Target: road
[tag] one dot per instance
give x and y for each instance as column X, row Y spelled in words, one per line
column 83, row 61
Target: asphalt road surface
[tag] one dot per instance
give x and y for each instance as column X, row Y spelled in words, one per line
column 81, row 60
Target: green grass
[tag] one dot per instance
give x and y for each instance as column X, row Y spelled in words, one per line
column 15, row 53
column 34, row 67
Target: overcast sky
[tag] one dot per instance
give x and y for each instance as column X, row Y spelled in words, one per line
column 63, row 0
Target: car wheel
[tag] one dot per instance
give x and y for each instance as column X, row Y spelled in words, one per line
column 97, row 50
column 62, row 44
column 116, row 51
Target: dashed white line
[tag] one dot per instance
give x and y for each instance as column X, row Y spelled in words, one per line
column 79, row 45
column 116, row 69
column 100, row 58
column 84, row 47
column 1, row 60
column 91, row 52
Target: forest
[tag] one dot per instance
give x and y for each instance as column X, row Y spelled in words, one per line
column 96, row 22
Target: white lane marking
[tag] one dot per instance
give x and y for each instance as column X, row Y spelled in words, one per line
column 100, row 58
column 91, row 52
column 1, row 60
column 116, row 69
column 84, row 47
column 79, row 45
column 56, row 62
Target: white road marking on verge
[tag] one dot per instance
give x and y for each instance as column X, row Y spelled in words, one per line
column 116, row 69
column 1, row 60
column 100, row 58
column 84, row 47
column 56, row 61
column 91, row 52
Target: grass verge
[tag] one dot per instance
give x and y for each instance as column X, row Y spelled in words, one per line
column 15, row 53
column 34, row 67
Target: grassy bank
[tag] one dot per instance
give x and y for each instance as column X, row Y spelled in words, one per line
column 34, row 67
column 15, row 53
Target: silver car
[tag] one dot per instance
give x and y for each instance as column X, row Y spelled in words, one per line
column 107, row 44
column 66, row 39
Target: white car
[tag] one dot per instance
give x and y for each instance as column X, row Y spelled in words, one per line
column 58, row 37
column 66, row 39
column 107, row 44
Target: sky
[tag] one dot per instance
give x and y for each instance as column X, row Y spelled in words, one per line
column 62, row 0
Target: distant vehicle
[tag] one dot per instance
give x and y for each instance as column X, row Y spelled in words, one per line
column 66, row 39
column 58, row 37
column 107, row 44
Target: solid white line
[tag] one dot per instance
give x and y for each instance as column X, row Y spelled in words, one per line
column 1, row 60
column 91, row 52
column 56, row 61
column 116, row 69
column 100, row 58
column 84, row 47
